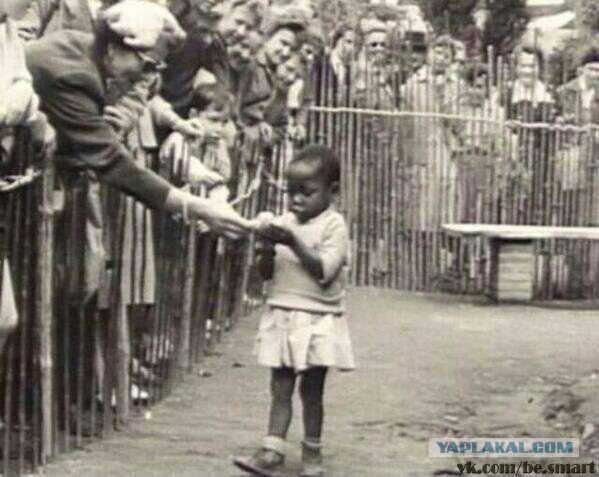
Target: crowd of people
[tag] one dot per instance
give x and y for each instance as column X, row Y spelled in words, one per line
column 106, row 86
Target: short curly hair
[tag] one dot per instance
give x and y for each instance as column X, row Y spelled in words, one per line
column 324, row 160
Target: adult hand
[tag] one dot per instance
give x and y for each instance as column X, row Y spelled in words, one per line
column 43, row 136
column 27, row 32
column 221, row 218
column 49, row 145
column 199, row 173
column 192, row 128
column 297, row 132
column 266, row 133
column 122, row 120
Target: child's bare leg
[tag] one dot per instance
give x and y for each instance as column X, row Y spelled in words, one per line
column 312, row 394
column 282, row 384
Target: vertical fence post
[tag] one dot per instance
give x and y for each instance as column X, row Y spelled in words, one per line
column 44, row 308
column 183, row 356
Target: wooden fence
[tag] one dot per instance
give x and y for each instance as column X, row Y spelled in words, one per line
column 113, row 303
column 421, row 150
column 93, row 348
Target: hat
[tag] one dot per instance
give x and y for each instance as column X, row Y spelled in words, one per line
column 144, row 26
column 373, row 25
column 284, row 16
column 204, row 78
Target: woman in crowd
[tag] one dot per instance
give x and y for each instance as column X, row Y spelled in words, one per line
column 260, row 100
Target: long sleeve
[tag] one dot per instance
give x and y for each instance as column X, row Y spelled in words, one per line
column 334, row 249
column 87, row 141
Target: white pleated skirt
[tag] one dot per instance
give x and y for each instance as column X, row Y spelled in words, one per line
column 300, row 339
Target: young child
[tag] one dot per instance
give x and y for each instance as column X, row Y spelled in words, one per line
column 303, row 331
column 206, row 161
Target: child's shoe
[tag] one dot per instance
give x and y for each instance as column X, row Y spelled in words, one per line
column 311, row 460
column 266, row 461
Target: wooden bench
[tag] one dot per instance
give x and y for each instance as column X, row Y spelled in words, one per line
column 512, row 261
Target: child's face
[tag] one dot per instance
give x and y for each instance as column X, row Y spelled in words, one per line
column 310, row 193
column 288, row 72
column 214, row 120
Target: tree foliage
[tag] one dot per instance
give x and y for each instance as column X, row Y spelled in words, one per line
column 507, row 22
column 448, row 16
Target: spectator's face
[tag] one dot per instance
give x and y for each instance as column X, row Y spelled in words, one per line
column 477, row 90
column 235, row 27
column 591, row 72
column 460, row 51
column 528, row 68
column 239, row 53
column 279, row 47
column 417, row 59
column 207, row 7
column 123, row 65
column 376, row 47
column 214, row 119
column 441, row 58
column 202, row 16
column 288, row 73
column 308, row 54
column 347, row 44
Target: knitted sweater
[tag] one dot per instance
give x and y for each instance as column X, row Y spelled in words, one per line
column 293, row 287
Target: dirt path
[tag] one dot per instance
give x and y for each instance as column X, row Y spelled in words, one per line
column 428, row 367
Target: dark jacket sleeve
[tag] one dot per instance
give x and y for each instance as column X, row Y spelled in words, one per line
column 87, row 141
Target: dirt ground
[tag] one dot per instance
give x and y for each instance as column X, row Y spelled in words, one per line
column 428, row 367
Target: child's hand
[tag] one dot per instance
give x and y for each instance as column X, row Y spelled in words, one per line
column 280, row 233
column 262, row 221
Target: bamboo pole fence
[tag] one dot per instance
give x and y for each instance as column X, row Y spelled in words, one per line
column 429, row 156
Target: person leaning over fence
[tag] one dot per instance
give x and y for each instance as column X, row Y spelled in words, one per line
column 303, row 331
column 69, row 71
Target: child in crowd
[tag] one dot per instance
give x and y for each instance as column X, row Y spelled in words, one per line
column 207, row 162
column 303, row 331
